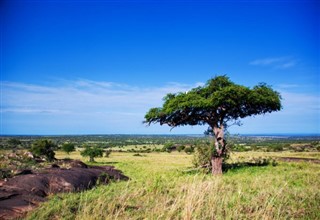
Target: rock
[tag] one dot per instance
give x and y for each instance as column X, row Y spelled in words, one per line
column 22, row 193
column 28, row 155
column 22, row 172
column 68, row 163
column 55, row 166
column 12, row 156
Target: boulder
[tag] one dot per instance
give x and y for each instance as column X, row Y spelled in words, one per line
column 22, row 193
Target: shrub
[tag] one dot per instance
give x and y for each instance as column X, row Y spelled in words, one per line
column 43, row 147
column 239, row 148
column 92, row 152
column 107, row 153
column 277, row 147
column 189, row 150
column 168, row 147
column 14, row 143
column 181, row 148
column 202, row 156
column 68, row 147
column 138, row 155
column 104, row 178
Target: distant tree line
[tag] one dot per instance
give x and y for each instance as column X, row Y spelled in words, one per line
column 170, row 143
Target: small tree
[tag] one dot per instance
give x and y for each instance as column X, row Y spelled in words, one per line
column 168, row 147
column 107, row 153
column 217, row 104
column 44, row 147
column 68, row 147
column 202, row 156
column 14, row 143
column 92, row 152
column 189, row 150
column 181, row 148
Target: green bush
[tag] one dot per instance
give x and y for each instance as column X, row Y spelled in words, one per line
column 181, row 148
column 43, row 148
column 92, row 152
column 168, row 147
column 107, row 153
column 104, row 178
column 68, row 147
column 189, row 150
column 202, row 156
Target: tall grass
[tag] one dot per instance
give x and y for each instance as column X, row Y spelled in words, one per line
column 160, row 189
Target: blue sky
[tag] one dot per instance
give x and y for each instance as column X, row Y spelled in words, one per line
column 96, row 67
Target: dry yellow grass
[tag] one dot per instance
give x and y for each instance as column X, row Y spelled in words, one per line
column 160, row 189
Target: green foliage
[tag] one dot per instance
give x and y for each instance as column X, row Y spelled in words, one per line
column 181, row 148
column 5, row 174
column 240, row 148
column 189, row 149
column 168, row 147
column 202, row 157
column 44, row 147
column 14, row 142
column 219, row 100
column 92, row 152
column 104, row 178
column 107, row 153
column 13, row 163
column 68, row 147
column 216, row 104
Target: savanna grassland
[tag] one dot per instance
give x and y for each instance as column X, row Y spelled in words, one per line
column 165, row 186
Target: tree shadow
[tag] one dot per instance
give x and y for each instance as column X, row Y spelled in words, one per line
column 104, row 163
column 233, row 166
column 241, row 165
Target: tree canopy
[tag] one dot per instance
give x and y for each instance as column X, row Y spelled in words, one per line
column 44, row 147
column 92, row 152
column 218, row 103
column 68, row 147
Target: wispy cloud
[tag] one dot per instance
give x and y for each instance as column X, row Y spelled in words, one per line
column 82, row 96
column 300, row 114
column 83, row 106
column 80, row 106
column 275, row 62
column 300, row 104
column 288, row 86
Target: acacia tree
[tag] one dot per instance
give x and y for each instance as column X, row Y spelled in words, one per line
column 44, row 147
column 218, row 104
column 68, row 147
column 92, row 152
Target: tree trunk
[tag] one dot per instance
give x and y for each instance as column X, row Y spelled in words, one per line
column 220, row 148
column 216, row 165
column 91, row 159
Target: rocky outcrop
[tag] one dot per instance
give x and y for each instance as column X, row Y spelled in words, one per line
column 25, row 191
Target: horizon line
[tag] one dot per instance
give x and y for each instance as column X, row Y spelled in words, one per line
column 167, row 134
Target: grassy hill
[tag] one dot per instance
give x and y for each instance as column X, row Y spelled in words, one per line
column 163, row 186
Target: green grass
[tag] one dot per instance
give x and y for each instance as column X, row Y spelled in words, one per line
column 159, row 188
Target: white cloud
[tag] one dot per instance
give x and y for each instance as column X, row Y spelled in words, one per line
column 300, row 114
column 300, row 104
column 89, row 104
column 275, row 62
column 85, row 106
